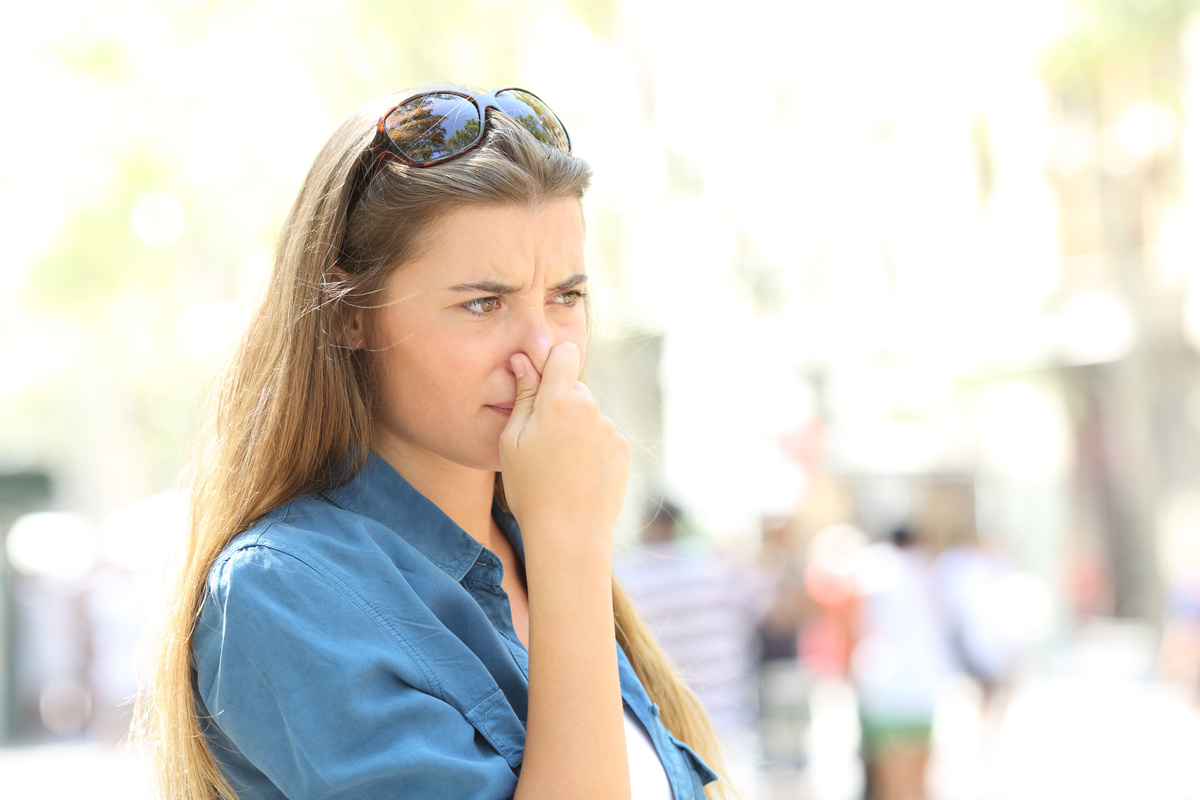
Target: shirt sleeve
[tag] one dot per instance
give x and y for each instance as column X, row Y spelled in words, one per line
column 316, row 695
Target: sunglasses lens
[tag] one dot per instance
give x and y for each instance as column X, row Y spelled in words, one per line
column 536, row 116
column 434, row 127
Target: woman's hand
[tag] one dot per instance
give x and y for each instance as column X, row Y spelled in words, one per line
column 565, row 466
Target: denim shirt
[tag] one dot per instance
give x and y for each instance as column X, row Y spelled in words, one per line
column 356, row 643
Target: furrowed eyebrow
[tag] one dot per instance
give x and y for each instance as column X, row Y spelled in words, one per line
column 486, row 286
column 497, row 286
column 575, row 279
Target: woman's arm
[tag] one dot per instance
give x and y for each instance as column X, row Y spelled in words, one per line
column 565, row 469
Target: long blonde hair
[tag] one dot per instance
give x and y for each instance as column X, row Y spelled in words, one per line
column 294, row 403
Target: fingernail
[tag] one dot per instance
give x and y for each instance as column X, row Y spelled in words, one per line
column 518, row 366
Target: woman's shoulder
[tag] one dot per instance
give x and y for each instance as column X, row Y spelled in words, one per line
column 345, row 551
column 350, row 545
column 312, row 565
column 307, row 527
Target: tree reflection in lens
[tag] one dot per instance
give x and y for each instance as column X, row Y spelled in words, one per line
column 433, row 126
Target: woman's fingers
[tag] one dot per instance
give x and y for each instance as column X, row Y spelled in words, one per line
column 527, row 388
column 559, row 455
column 562, row 367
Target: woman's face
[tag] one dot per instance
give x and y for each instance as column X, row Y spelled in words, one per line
column 490, row 282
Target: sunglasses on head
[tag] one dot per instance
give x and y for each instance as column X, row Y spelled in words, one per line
column 435, row 127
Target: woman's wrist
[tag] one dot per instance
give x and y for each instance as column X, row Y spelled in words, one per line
column 567, row 547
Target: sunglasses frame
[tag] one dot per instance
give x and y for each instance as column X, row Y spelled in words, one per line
column 383, row 145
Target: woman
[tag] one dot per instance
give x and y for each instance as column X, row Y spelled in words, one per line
column 398, row 575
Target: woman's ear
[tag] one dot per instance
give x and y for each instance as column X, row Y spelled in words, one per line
column 353, row 332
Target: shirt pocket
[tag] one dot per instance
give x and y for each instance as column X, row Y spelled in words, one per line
column 494, row 718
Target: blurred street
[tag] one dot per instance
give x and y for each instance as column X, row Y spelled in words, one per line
column 1098, row 733
column 912, row 351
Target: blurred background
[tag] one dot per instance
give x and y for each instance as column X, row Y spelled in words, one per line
column 863, row 267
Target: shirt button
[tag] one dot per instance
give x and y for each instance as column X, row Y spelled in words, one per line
column 654, row 709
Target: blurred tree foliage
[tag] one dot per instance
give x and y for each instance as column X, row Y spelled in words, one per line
column 216, row 104
column 1103, row 33
column 1115, row 83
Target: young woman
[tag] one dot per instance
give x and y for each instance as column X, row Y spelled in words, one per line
column 398, row 578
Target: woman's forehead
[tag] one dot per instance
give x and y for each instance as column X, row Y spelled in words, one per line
column 471, row 244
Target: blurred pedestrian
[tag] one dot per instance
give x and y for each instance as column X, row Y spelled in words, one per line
column 705, row 611
column 900, row 663
column 993, row 612
column 829, row 579
column 1179, row 649
column 784, row 683
column 992, row 616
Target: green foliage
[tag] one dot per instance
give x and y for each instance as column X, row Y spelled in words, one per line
column 599, row 15
column 415, row 42
column 96, row 56
column 465, row 135
column 1107, row 32
column 98, row 260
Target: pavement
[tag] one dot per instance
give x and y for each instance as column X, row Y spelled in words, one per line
column 62, row 770
column 1074, row 738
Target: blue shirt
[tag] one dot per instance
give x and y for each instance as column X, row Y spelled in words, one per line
column 356, row 643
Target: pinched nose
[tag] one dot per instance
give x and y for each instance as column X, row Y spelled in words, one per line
column 535, row 340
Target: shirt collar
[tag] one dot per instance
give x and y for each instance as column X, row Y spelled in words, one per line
column 382, row 494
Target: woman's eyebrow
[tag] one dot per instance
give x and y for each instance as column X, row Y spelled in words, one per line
column 486, row 286
column 498, row 286
column 573, row 280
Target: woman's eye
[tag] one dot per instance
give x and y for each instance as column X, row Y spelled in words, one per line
column 569, row 298
column 484, row 305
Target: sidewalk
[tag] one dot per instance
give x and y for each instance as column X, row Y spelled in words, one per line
column 1100, row 738
column 1077, row 738
column 1093, row 724
column 72, row 771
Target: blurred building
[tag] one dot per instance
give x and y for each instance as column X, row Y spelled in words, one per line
column 20, row 493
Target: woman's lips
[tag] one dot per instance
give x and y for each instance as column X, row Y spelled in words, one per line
column 504, row 408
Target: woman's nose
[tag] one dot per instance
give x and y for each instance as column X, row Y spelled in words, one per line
column 535, row 337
